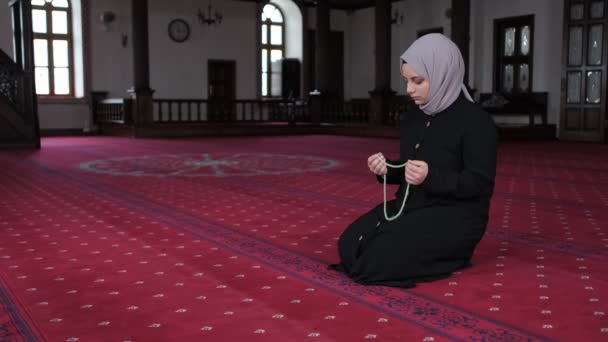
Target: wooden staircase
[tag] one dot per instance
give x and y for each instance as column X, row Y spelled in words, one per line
column 17, row 128
column 18, row 108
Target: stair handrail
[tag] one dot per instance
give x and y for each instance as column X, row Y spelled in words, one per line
column 11, row 80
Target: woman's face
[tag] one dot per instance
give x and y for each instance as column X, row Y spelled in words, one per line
column 417, row 87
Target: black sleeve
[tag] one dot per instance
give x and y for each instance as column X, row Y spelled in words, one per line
column 476, row 179
column 397, row 176
column 393, row 176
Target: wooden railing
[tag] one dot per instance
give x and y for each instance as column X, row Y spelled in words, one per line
column 116, row 111
column 11, row 82
column 353, row 111
column 204, row 111
column 523, row 104
column 397, row 106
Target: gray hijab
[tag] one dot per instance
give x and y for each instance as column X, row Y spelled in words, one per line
column 436, row 58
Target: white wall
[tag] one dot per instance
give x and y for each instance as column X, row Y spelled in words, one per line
column 112, row 63
column 70, row 115
column 6, row 32
column 339, row 21
column 179, row 70
column 78, row 44
column 417, row 15
column 547, row 45
column 61, row 116
column 361, row 64
column 294, row 33
column 293, row 29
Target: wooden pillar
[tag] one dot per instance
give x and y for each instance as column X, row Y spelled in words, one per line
column 23, row 40
column 141, row 91
column 307, row 59
column 461, row 26
column 382, row 93
column 322, row 47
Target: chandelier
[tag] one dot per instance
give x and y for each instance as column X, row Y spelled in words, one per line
column 209, row 18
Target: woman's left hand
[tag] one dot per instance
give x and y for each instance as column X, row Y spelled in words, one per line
column 416, row 171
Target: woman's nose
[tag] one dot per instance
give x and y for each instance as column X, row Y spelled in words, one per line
column 410, row 89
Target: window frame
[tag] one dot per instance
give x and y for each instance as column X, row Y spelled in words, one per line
column 500, row 60
column 49, row 36
column 269, row 47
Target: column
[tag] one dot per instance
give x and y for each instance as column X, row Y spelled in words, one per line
column 23, row 40
column 141, row 92
column 322, row 46
column 461, row 23
column 382, row 93
column 322, row 73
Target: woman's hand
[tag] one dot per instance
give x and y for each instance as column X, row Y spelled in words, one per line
column 377, row 164
column 416, row 171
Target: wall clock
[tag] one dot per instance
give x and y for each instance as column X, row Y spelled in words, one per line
column 179, row 30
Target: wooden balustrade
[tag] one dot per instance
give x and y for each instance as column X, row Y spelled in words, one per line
column 117, row 111
column 397, row 106
column 199, row 111
column 353, row 111
column 204, row 111
column 11, row 82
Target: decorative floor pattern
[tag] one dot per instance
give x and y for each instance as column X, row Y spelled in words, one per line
column 228, row 239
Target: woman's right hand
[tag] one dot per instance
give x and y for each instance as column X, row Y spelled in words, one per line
column 377, row 164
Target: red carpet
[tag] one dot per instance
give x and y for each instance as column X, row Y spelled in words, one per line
column 116, row 239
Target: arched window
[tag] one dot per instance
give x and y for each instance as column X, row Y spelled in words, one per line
column 273, row 49
column 53, row 49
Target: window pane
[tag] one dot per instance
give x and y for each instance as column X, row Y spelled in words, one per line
column 577, row 10
column 267, row 12
column 60, row 22
column 275, row 66
column 41, row 52
column 525, row 40
column 39, row 21
column 574, row 87
column 264, row 84
column 597, row 9
column 60, row 53
column 275, row 60
column 508, row 78
column 594, row 54
column 60, row 3
column 275, row 55
column 277, row 17
column 509, row 41
column 276, row 35
column 42, row 81
column 264, row 34
column 264, row 60
column 38, row 2
column 524, row 77
column 62, row 81
column 575, row 45
column 276, row 84
column 594, row 86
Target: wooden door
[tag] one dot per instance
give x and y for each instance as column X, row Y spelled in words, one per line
column 583, row 88
column 221, row 90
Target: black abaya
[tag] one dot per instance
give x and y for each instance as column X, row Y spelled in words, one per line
column 444, row 217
